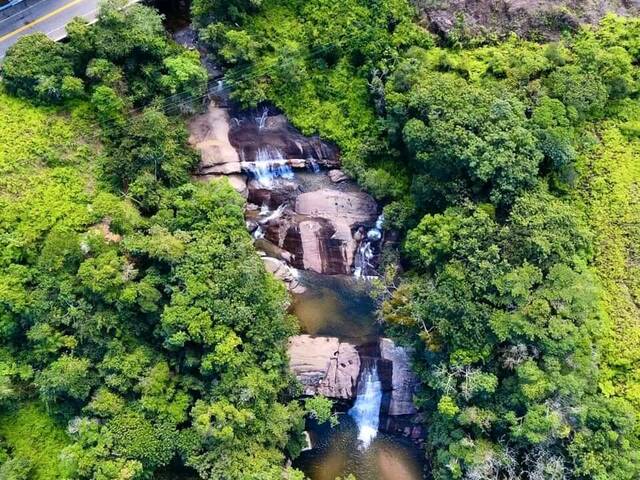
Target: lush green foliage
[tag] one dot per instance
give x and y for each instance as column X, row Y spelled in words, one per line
column 516, row 337
column 128, row 51
column 132, row 304
column 31, row 443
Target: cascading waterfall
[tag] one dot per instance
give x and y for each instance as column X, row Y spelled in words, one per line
column 364, row 253
column 268, row 215
column 313, row 164
column 362, row 260
column 270, row 164
column 366, row 409
column 262, row 119
column 258, row 233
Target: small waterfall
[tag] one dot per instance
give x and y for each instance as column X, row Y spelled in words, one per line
column 262, row 119
column 364, row 253
column 315, row 168
column 270, row 164
column 258, row 233
column 362, row 261
column 270, row 215
column 366, row 409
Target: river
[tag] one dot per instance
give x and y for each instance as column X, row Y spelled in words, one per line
column 321, row 234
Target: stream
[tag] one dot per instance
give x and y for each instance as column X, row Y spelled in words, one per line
column 318, row 232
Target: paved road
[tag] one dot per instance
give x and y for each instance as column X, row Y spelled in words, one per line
column 48, row 16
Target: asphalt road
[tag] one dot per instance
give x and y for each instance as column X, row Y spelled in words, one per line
column 47, row 16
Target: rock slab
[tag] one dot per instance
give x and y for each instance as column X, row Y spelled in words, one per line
column 325, row 366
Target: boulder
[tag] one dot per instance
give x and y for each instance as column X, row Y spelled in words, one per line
column 403, row 381
column 337, row 176
column 282, row 271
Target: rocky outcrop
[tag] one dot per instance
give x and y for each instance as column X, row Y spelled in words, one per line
column 209, row 135
column 323, row 240
column 403, row 380
column 254, row 132
column 325, row 366
column 330, row 367
column 538, row 19
column 316, row 230
column 283, row 272
column 337, row 176
column 319, row 229
column 348, row 207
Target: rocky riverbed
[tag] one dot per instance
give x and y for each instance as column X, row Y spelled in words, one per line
column 318, row 232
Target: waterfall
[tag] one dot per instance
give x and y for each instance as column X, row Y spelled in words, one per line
column 364, row 253
column 366, row 409
column 313, row 164
column 270, row 215
column 270, row 164
column 362, row 261
column 258, row 233
column 261, row 120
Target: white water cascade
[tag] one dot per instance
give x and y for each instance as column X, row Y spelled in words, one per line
column 366, row 409
column 262, row 119
column 364, row 253
column 270, row 164
column 362, row 260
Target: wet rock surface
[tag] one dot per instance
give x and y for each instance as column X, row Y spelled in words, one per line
column 337, row 176
column 331, row 367
column 310, row 222
column 318, row 225
column 403, row 380
column 325, row 366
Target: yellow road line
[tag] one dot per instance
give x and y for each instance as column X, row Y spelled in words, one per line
column 41, row 19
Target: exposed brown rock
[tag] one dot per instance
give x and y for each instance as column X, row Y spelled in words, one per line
column 283, row 272
column 210, row 136
column 348, row 207
column 104, row 227
column 337, row 176
column 325, row 366
column 276, row 134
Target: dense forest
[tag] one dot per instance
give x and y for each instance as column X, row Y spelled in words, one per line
column 141, row 336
